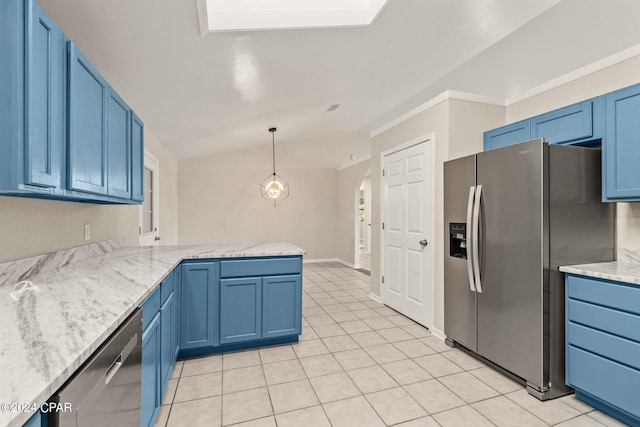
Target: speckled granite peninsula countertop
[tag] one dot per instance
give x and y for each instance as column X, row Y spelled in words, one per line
column 49, row 329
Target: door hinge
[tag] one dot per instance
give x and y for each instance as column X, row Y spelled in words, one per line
column 139, row 231
column 383, row 225
column 383, row 280
column 382, row 172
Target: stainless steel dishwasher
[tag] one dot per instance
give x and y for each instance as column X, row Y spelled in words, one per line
column 105, row 391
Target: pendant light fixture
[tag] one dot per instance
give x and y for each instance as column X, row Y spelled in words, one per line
column 273, row 188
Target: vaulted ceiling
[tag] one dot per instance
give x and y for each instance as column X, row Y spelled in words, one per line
column 221, row 92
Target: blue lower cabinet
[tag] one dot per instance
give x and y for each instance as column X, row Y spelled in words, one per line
column 198, row 305
column 603, row 345
column 167, row 349
column 175, row 333
column 150, row 402
column 281, row 306
column 36, row 420
column 240, row 310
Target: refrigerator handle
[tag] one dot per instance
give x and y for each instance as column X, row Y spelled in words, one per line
column 472, row 192
column 476, row 238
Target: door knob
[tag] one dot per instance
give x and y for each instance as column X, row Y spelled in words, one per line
column 424, row 242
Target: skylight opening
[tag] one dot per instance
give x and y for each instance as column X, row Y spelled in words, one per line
column 251, row 15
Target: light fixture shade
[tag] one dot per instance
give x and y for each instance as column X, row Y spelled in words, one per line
column 274, row 189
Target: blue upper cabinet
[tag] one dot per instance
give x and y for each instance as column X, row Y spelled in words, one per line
column 32, row 100
column 507, row 135
column 88, row 93
column 137, row 158
column 572, row 124
column 579, row 123
column 621, row 148
column 45, row 55
column 64, row 132
column 118, row 147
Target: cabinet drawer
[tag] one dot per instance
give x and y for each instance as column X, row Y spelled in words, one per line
column 609, row 381
column 618, row 349
column 606, row 293
column 260, row 267
column 150, row 307
column 604, row 319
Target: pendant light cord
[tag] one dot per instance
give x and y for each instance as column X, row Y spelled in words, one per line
column 273, row 148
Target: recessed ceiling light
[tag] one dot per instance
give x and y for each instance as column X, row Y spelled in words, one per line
column 334, row 107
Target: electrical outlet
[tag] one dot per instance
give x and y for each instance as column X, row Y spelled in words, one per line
column 87, row 232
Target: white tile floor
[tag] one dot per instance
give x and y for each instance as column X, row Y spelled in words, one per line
column 358, row 363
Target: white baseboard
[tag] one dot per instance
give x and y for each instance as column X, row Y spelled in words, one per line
column 438, row 333
column 318, row 260
column 375, row 297
column 338, row 260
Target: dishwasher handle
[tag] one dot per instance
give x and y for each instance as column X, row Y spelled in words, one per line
column 122, row 357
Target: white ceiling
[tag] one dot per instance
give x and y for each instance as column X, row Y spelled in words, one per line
column 221, row 92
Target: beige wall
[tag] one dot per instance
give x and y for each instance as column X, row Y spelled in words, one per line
column 32, row 226
column 615, row 77
column 457, row 128
column 348, row 189
column 219, row 200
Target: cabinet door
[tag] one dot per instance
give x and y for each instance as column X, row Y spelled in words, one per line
column 621, row 147
column 167, row 349
column 175, row 333
column 282, row 306
column 150, row 401
column 36, row 420
column 240, row 309
column 87, row 151
column 507, row 135
column 564, row 125
column 197, row 311
column 137, row 158
column 118, row 147
column 44, row 98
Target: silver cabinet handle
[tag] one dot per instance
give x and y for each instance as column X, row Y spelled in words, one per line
column 472, row 192
column 424, row 243
column 476, row 239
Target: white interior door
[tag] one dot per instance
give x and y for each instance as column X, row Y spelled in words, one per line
column 407, row 235
column 148, row 214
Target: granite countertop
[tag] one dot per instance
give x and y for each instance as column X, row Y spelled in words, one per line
column 52, row 326
column 628, row 272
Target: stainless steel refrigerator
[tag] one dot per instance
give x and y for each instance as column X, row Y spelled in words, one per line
column 513, row 216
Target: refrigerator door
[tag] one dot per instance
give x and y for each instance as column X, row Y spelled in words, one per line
column 512, row 256
column 459, row 296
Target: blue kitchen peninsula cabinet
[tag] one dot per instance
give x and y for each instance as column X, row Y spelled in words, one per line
column 621, row 147
column 233, row 304
column 603, row 345
column 65, row 134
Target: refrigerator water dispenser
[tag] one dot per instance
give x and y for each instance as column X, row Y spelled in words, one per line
column 458, row 240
